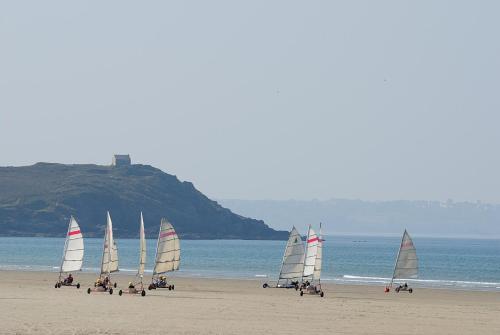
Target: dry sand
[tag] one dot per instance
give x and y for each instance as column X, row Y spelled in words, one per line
column 31, row 305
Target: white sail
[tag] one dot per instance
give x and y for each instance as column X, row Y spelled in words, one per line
column 113, row 265
column 406, row 262
column 311, row 253
column 293, row 258
column 168, row 250
column 73, row 248
column 142, row 257
column 319, row 255
column 109, row 261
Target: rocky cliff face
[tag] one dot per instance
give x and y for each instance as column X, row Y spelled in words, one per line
column 38, row 200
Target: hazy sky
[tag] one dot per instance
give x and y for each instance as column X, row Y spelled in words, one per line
column 261, row 99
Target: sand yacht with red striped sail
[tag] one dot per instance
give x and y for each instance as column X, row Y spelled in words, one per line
column 168, row 256
column 311, row 282
column 72, row 259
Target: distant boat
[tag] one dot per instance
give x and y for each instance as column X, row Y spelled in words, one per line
column 72, row 259
column 406, row 265
column 168, row 255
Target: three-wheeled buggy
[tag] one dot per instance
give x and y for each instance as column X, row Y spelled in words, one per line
column 137, row 288
column 102, row 285
column 160, row 282
column 309, row 288
column 68, row 281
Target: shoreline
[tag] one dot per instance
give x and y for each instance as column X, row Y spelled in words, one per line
column 418, row 283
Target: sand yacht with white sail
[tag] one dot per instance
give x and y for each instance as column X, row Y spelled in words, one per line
column 292, row 264
column 168, row 256
column 109, row 261
column 311, row 282
column 72, row 259
column 406, row 266
column 138, row 286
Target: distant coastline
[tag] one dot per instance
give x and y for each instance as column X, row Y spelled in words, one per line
column 378, row 218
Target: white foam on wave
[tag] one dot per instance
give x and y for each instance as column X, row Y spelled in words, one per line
column 456, row 282
column 362, row 277
column 129, row 270
column 422, row 282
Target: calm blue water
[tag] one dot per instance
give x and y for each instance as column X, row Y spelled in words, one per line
column 453, row 263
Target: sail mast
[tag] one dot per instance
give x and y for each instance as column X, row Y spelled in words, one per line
column 65, row 248
column 397, row 258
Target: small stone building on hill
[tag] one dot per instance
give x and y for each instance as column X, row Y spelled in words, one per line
column 121, row 160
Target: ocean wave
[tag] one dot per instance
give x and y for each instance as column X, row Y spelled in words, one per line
column 421, row 282
column 362, row 277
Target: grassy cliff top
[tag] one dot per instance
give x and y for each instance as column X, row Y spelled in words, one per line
column 38, row 200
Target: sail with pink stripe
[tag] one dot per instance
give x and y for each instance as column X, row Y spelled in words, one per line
column 73, row 248
column 311, row 253
column 168, row 250
column 319, row 255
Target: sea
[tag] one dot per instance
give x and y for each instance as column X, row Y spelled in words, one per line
column 453, row 263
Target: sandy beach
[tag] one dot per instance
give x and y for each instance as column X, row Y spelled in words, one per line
column 31, row 305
